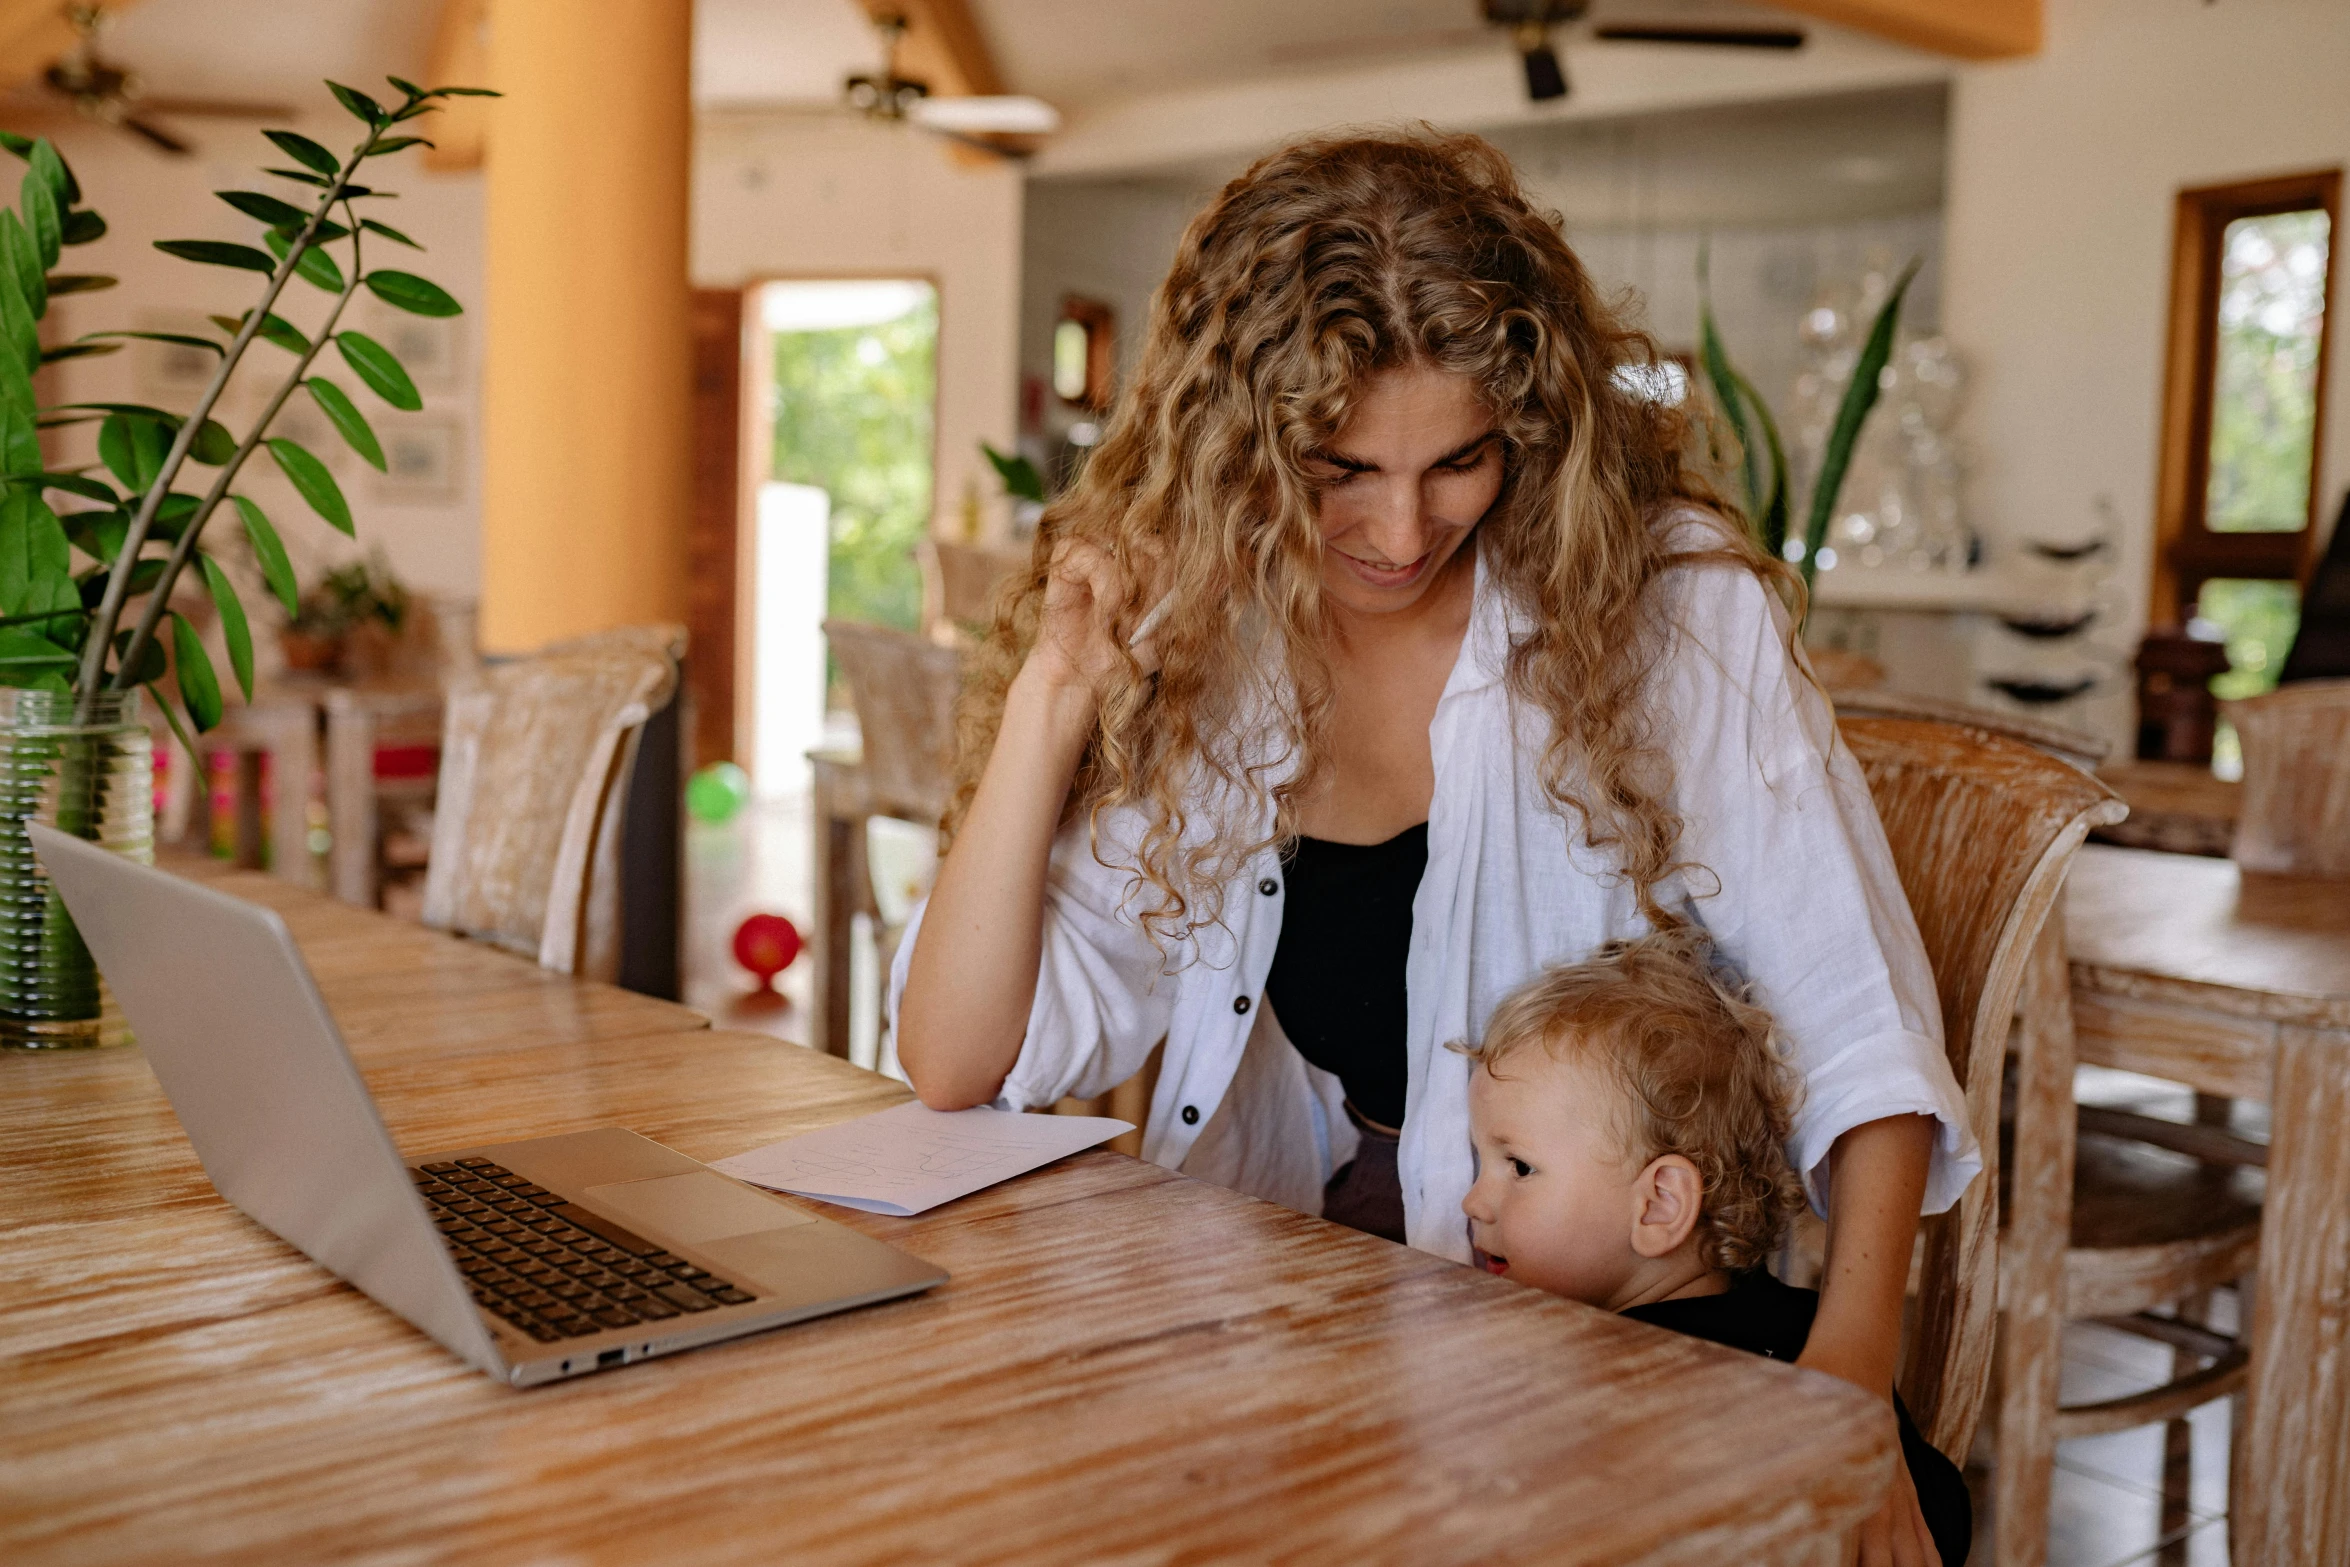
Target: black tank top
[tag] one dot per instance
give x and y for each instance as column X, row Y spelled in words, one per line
column 1337, row 982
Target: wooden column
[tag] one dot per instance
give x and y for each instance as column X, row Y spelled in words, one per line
column 587, row 369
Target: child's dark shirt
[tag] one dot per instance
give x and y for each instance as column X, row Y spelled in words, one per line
column 1765, row 1317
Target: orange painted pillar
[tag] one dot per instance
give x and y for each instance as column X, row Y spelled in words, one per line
column 587, row 358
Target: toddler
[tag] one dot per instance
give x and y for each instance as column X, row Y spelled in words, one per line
column 1631, row 1117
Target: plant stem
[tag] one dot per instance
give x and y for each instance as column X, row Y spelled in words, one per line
column 184, row 548
column 89, row 679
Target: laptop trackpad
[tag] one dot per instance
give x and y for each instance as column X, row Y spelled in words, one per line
column 694, row 1208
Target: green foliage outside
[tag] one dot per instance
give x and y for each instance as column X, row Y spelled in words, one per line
column 2260, row 619
column 853, row 416
column 2264, row 401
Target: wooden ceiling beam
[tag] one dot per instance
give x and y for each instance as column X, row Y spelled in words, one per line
column 1966, row 29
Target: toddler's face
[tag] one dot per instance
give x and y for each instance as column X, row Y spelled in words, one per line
column 1556, row 1199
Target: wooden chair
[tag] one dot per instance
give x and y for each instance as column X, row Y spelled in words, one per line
column 534, row 777
column 959, row 585
column 1983, row 829
column 2081, row 749
column 2295, row 817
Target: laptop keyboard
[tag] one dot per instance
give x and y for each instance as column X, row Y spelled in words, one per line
column 552, row 1268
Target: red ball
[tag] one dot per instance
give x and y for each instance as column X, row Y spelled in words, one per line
column 766, row 944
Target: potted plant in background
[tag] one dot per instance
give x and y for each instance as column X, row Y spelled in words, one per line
column 74, row 749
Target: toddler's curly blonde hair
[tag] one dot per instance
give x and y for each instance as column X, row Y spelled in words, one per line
column 1699, row 1065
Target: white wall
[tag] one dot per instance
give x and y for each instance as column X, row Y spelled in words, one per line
column 814, row 196
column 2057, row 270
column 432, row 541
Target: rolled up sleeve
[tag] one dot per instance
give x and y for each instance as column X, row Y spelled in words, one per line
column 1789, row 869
column 1101, row 1000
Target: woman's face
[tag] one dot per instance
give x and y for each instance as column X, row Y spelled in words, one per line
column 1414, row 469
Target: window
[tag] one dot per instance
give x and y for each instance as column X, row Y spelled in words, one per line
column 1084, row 347
column 2242, row 412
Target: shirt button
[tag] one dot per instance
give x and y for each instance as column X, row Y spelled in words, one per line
column 1240, row 1005
column 1191, row 1115
column 1268, row 886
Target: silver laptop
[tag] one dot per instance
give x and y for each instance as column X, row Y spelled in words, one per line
column 532, row 1260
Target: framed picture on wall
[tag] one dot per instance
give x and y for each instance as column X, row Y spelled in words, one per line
column 422, row 459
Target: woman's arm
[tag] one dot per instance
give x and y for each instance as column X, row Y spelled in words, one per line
column 971, row 978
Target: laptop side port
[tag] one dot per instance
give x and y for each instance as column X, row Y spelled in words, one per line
column 611, row 1357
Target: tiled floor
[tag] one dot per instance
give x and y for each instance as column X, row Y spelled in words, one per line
column 2107, row 1505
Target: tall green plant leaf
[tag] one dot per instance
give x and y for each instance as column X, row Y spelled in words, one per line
column 336, row 404
column 1021, row 480
column 1723, row 380
column 46, row 163
column 217, row 253
column 304, row 151
column 1772, row 524
column 133, row 446
column 269, row 209
column 36, row 564
column 78, row 283
column 1859, row 397
column 233, row 627
column 17, row 322
column 396, row 144
column 274, row 329
column 270, row 552
column 388, row 232
column 199, row 686
column 383, row 373
column 81, row 484
column 152, row 665
column 20, row 438
column 29, row 659
column 362, row 107
column 313, row 483
column 82, row 228
column 418, row 296
column 23, row 263
column 316, row 267
column 180, row 339
column 171, row 716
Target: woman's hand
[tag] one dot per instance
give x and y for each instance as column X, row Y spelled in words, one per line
column 1077, row 643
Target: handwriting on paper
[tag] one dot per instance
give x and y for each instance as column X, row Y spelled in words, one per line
column 911, row 1158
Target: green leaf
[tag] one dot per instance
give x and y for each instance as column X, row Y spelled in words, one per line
column 306, row 152
column 145, row 574
column 133, row 447
column 418, row 296
column 217, row 253
column 233, row 629
column 24, row 653
column 199, row 686
column 1860, row 395
column 297, row 174
column 151, row 666
column 20, row 438
column 374, row 364
column 388, row 232
column 172, row 517
column 313, row 483
column 1723, row 380
column 362, row 107
column 99, row 534
column 466, row 92
column 268, row 209
column 270, row 552
column 17, row 323
column 83, row 485
column 22, row 146
column 213, row 444
column 396, row 144
column 23, row 263
column 81, row 228
column 36, row 563
column 78, row 283
column 47, row 164
column 336, row 404
column 183, row 339
column 64, row 351
column 1021, row 480
column 274, row 329
column 406, row 88
column 316, row 267
column 172, row 717
column 41, row 216
column 1773, row 521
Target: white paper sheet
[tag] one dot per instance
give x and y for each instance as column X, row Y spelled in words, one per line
column 911, row 1158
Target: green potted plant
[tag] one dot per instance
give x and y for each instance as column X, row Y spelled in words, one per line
column 86, row 621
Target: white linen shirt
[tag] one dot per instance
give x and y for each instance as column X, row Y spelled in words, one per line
column 1773, row 808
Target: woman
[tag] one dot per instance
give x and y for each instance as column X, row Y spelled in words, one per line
column 1385, row 651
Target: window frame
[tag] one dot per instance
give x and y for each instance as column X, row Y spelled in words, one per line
column 2187, row 553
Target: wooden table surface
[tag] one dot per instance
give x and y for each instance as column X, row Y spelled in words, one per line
column 1126, row 1366
column 2238, row 984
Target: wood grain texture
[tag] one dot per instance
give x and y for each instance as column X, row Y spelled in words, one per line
column 1127, row 1366
column 2296, row 819
column 1983, row 828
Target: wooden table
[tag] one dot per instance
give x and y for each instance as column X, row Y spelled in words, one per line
column 1128, row 1365
column 2237, row 984
column 2179, row 806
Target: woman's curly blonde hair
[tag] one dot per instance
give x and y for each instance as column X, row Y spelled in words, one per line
column 1320, row 267
column 1700, row 1067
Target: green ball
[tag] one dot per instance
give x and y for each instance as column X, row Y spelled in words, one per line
column 718, row 791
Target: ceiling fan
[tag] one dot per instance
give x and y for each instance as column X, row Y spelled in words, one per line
column 97, row 89
column 981, row 120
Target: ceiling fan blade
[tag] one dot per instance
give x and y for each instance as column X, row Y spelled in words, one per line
column 1546, row 79
column 1714, row 37
column 990, row 115
column 223, row 108
column 156, row 134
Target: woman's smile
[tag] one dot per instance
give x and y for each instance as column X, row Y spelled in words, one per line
column 1380, row 574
